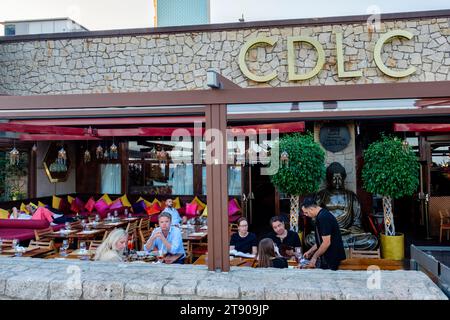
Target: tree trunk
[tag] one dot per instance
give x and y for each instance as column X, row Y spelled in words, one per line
column 388, row 216
column 293, row 217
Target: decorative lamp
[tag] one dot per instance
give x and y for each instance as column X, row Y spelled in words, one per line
column 14, row 156
column 113, row 151
column 284, row 158
column 99, row 152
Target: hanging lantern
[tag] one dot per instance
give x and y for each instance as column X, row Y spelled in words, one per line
column 62, row 156
column 87, row 156
column 153, row 153
column 34, row 148
column 284, row 158
column 99, row 152
column 113, row 151
column 405, row 144
column 106, row 154
column 14, row 156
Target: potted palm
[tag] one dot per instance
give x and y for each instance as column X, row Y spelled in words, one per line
column 391, row 169
column 301, row 170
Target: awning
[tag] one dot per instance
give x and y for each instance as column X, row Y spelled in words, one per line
column 422, row 127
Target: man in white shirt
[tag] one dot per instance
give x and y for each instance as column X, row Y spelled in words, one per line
column 176, row 219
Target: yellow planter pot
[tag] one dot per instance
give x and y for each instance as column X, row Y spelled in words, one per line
column 393, row 247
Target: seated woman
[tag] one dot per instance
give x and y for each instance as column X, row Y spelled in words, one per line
column 16, row 214
column 243, row 241
column 267, row 257
column 166, row 238
column 112, row 248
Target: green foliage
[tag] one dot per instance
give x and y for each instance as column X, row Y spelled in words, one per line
column 12, row 184
column 306, row 168
column 390, row 168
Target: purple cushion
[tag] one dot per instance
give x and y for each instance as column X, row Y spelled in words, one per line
column 191, row 210
column 101, row 206
column 116, row 205
column 23, row 224
column 139, row 207
column 79, row 203
column 233, row 208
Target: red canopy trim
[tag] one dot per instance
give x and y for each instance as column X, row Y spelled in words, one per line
column 422, row 127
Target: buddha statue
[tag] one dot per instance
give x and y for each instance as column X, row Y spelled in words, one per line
column 344, row 205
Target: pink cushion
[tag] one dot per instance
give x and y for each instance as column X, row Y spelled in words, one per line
column 101, row 206
column 90, row 205
column 233, row 207
column 23, row 224
column 191, row 210
column 116, row 205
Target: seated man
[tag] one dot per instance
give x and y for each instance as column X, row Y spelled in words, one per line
column 176, row 219
column 285, row 240
column 166, row 238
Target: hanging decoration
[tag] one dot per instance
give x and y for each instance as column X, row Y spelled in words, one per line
column 87, row 156
column 153, row 153
column 113, row 153
column 106, row 154
column 284, row 158
column 14, row 156
column 60, row 164
column 99, row 152
column 62, row 156
column 405, row 144
column 34, row 148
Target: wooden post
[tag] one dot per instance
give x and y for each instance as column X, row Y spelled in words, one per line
column 217, row 188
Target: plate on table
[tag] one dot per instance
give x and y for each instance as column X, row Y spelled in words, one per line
column 197, row 234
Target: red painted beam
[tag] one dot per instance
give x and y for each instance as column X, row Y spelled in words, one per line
column 422, row 127
column 54, row 137
column 31, row 128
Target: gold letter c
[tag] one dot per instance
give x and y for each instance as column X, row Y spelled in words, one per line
column 243, row 65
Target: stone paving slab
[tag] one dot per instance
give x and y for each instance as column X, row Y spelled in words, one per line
column 22, row 278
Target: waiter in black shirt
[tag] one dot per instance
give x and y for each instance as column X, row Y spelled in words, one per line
column 329, row 248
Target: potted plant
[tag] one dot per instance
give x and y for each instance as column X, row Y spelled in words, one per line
column 391, row 169
column 301, row 169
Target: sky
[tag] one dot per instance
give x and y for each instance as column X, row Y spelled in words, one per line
column 124, row 14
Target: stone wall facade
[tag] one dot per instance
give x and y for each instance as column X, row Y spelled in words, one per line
column 26, row 278
column 178, row 61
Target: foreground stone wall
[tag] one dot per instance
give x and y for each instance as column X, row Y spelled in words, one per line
column 27, row 278
column 179, row 61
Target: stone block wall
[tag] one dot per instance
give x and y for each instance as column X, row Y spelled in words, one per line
column 178, row 61
column 38, row 279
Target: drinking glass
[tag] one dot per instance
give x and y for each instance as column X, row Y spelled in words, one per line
column 161, row 253
column 15, row 243
column 63, row 251
column 116, row 215
column 108, row 217
column 65, row 244
column 97, row 218
column 67, row 225
column 1, row 245
column 82, row 247
column 298, row 254
column 83, row 224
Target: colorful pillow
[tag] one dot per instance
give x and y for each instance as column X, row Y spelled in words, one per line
column 64, row 206
column 77, row 205
column 101, row 206
column 191, row 210
column 233, row 207
column 153, row 209
column 139, row 207
column 116, row 204
column 156, row 201
column 147, row 203
column 4, row 214
column 32, row 205
column 70, row 199
column 40, row 204
column 177, row 203
column 200, row 204
column 56, row 201
column 205, row 212
column 125, row 201
column 23, row 208
column 107, row 199
column 90, row 205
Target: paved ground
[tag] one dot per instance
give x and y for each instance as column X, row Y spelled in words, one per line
column 30, row 278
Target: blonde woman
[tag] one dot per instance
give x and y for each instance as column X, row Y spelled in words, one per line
column 112, row 248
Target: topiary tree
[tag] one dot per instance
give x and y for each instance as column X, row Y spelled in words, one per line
column 301, row 169
column 391, row 169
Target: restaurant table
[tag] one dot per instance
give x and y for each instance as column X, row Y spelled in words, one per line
column 78, row 234
column 30, row 252
column 234, row 261
column 73, row 254
column 108, row 225
column 197, row 234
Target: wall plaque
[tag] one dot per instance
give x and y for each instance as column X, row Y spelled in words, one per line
column 334, row 137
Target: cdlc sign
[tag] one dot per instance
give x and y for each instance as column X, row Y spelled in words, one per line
column 293, row 76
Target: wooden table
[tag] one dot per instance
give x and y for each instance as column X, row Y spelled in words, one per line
column 78, row 234
column 365, row 263
column 234, row 261
column 30, row 254
column 198, row 234
column 104, row 225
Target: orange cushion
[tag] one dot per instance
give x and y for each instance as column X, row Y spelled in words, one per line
column 153, row 209
column 200, row 205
